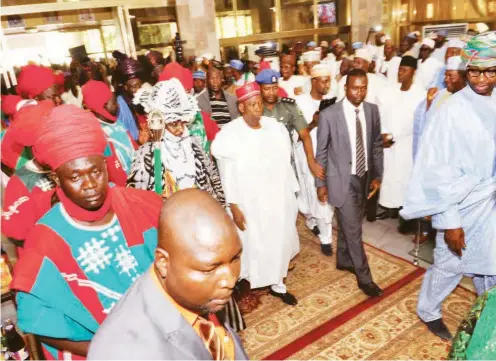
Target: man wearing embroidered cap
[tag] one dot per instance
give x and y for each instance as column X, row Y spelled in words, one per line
column 199, row 82
column 454, row 181
column 390, row 63
column 291, row 83
column 428, row 66
column 453, row 48
column 254, row 156
column 79, row 245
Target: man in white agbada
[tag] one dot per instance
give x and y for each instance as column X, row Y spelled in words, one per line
column 397, row 105
column 335, row 57
column 390, row 63
column 427, row 67
column 291, row 83
column 317, row 214
column 440, row 48
column 453, row 48
column 454, row 180
column 362, row 61
column 310, row 59
column 254, row 156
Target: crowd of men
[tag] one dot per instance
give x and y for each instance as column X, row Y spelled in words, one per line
column 138, row 199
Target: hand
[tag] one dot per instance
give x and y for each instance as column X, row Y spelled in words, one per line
column 143, row 137
column 386, row 141
column 455, row 238
column 431, row 94
column 322, row 194
column 317, row 170
column 375, row 185
column 238, row 217
column 298, row 90
column 315, row 121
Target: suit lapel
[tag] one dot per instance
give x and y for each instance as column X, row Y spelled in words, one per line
column 367, row 110
column 345, row 133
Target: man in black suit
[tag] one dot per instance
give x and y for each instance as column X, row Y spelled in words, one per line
column 349, row 147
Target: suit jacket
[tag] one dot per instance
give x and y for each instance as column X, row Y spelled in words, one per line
column 334, row 150
column 232, row 103
column 144, row 325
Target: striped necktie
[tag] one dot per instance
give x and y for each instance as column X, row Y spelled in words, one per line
column 360, row 150
column 211, row 339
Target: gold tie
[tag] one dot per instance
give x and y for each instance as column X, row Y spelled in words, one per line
column 211, row 339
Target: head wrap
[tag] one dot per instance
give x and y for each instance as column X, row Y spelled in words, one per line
column 409, row 61
column 312, row 43
column 27, row 122
column 236, row 64
column 429, row 43
column 34, row 80
column 337, row 42
column 320, row 70
column 9, row 104
column 247, row 91
column 357, row 45
column 364, row 54
column 267, row 76
column 68, row 133
column 311, row 56
column 176, row 70
column 130, row 68
column 155, row 58
column 455, row 63
column 95, row 95
column 324, row 44
column 480, row 51
column 456, row 43
column 199, row 75
column 169, row 99
column 443, row 33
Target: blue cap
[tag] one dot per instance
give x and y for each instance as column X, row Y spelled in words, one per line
column 199, row 75
column 357, row 45
column 236, row 64
column 442, row 33
column 312, row 43
column 267, row 76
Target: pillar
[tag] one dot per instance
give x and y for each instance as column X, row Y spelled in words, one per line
column 365, row 14
column 196, row 23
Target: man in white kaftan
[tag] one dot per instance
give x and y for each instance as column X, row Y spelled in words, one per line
column 254, row 156
column 454, row 180
column 317, row 214
column 428, row 67
column 397, row 105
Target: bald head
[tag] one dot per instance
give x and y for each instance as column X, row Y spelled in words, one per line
column 199, row 250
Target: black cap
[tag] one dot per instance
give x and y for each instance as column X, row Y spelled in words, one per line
column 79, row 54
column 409, row 61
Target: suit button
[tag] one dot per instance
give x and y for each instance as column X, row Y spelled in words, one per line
column 350, row 163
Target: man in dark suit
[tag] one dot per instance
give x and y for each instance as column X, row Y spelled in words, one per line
column 169, row 313
column 349, row 148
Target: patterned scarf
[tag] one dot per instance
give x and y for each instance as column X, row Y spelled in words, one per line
column 480, row 51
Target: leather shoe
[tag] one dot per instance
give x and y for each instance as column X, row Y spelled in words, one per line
column 438, row 328
column 371, row 289
column 315, row 230
column 381, row 216
column 326, row 249
column 287, row 297
column 344, row 268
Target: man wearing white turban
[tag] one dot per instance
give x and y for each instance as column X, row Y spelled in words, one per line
column 427, row 67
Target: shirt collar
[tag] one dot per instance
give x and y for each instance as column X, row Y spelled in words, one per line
column 350, row 106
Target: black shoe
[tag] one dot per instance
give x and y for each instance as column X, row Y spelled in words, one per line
column 371, row 289
column 438, row 328
column 381, row 216
column 315, row 230
column 326, row 249
column 350, row 269
column 287, row 297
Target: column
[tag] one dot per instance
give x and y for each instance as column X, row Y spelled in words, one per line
column 365, row 14
column 196, row 22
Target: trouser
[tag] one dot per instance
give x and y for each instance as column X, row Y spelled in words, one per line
column 279, row 288
column 438, row 284
column 371, row 208
column 325, row 228
column 350, row 251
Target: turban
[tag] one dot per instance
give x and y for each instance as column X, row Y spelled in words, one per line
column 34, row 80
column 247, row 91
column 155, row 58
column 95, row 95
column 455, row 63
column 28, row 120
column 409, row 61
column 480, row 51
column 267, row 76
column 130, row 68
column 320, row 70
column 443, row 33
column 68, row 133
column 236, row 64
column 9, row 104
column 169, row 98
column 363, row 54
column 429, row 43
column 456, row 43
column 176, row 70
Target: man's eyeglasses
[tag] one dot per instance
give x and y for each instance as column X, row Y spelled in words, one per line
column 475, row 73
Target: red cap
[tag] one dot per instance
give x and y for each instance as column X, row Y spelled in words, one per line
column 95, row 95
column 247, row 91
column 264, row 65
column 175, row 70
column 34, row 80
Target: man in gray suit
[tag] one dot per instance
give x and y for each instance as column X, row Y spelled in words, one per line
column 169, row 313
column 349, row 148
column 222, row 106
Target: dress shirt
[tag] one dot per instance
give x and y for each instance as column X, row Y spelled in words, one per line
column 350, row 115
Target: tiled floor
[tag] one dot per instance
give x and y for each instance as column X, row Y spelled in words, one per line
column 384, row 235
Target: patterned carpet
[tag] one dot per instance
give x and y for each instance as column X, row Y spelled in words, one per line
column 335, row 320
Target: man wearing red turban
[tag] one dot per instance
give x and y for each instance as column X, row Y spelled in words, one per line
column 88, row 249
column 119, row 153
column 39, row 83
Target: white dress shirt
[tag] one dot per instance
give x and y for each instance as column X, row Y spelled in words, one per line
column 350, row 115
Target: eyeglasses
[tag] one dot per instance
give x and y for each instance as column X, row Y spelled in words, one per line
column 475, row 73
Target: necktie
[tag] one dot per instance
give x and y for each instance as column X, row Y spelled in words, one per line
column 360, row 150
column 211, row 339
